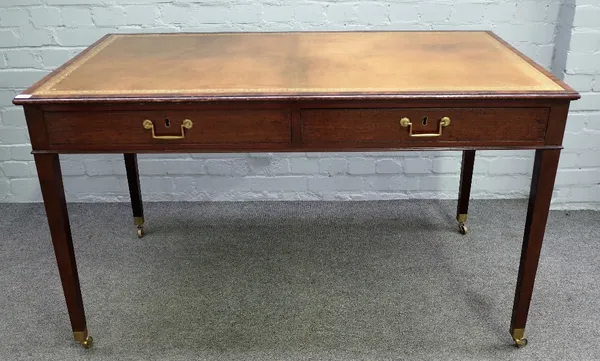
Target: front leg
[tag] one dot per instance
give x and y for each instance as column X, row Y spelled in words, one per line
column 542, row 184
column 50, row 176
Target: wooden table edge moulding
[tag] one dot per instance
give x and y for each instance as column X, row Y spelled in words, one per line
column 297, row 92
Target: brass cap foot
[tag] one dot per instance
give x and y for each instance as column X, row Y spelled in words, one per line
column 139, row 225
column 83, row 338
column 462, row 219
column 518, row 335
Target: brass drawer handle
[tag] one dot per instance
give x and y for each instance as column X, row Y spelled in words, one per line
column 444, row 122
column 187, row 124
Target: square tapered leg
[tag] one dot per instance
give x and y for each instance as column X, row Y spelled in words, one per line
column 51, row 183
column 464, row 193
column 542, row 184
column 133, row 180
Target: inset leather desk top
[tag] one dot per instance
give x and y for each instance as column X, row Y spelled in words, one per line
column 246, row 64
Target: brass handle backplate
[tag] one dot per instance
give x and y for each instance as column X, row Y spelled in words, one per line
column 186, row 124
column 444, row 122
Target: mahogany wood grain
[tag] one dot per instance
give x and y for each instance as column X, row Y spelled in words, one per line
column 342, row 103
column 490, row 125
column 133, row 182
column 466, row 178
column 540, row 195
column 114, row 129
column 50, row 177
column 283, row 148
column 557, row 123
column 296, row 127
column 36, row 126
column 381, row 127
column 428, row 97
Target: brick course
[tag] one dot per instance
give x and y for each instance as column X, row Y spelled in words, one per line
column 36, row 36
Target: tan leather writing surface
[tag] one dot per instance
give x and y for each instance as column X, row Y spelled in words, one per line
column 297, row 63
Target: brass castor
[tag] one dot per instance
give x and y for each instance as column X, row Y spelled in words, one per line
column 139, row 224
column 518, row 335
column 83, row 338
column 462, row 228
column 522, row 342
column 88, row 342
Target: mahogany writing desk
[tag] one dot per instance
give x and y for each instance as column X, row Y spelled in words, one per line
column 277, row 92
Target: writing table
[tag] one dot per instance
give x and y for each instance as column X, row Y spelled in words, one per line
column 302, row 92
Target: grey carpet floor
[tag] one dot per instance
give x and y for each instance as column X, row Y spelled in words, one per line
column 389, row 280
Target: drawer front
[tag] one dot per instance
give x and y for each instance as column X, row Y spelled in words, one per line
column 381, row 127
column 165, row 127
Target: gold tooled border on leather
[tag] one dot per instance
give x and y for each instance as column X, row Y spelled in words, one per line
column 48, row 87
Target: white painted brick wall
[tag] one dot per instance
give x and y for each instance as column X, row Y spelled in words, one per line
column 578, row 179
column 36, row 36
